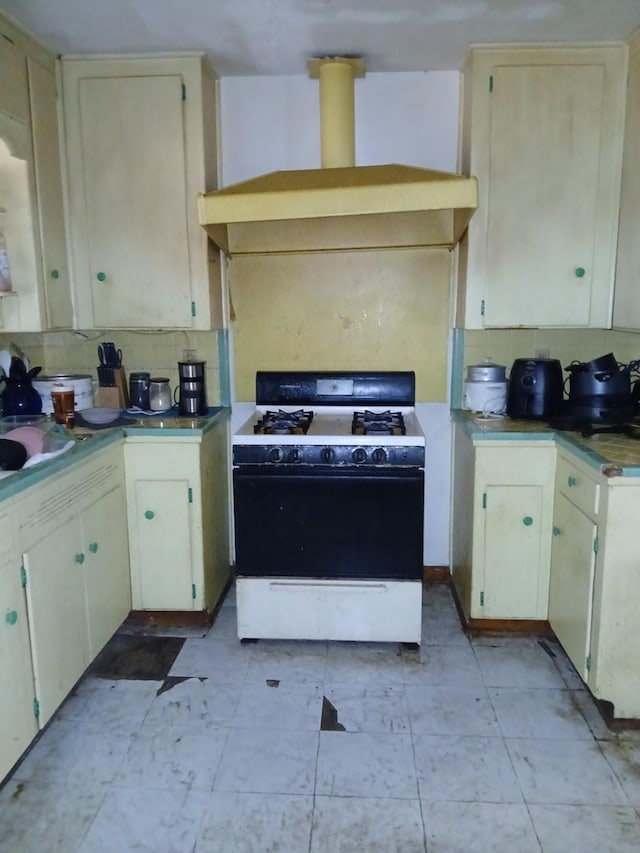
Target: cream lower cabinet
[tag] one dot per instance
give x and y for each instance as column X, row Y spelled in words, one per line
column 542, row 131
column 502, row 512
column 178, row 520
column 141, row 144
column 595, row 582
column 73, row 538
column 17, row 712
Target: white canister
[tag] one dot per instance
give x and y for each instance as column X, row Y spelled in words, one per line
column 81, row 383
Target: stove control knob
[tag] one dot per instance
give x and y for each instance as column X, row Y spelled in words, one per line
column 327, row 454
column 379, row 456
column 275, row 454
column 295, row 455
column 359, row 455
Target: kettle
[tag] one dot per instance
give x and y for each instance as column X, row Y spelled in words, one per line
column 18, row 396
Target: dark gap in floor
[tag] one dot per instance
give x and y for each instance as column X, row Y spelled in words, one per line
column 273, row 682
column 546, row 648
column 170, row 682
column 329, row 720
column 133, row 657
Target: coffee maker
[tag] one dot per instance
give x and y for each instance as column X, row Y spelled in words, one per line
column 192, row 389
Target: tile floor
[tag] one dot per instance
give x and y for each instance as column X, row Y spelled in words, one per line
column 487, row 744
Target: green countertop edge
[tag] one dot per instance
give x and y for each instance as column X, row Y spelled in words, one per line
column 590, row 457
column 100, row 439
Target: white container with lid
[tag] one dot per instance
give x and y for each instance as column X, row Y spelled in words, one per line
column 485, row 388
column 81, row 383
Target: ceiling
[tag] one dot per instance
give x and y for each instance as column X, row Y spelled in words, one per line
column 260, row 37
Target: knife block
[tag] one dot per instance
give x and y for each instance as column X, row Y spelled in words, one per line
column 115, row 396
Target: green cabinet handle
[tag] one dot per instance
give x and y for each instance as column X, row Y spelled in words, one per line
column 101, row 276
column 93, row 547
column 572, row 481
column 55, row 274
column 527, row 521
column 580, row 272
column 80, row 558
column 11, row 618
column 556, row 531
column 149, row 514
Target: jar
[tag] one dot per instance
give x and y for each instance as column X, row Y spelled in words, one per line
column 159, row 394
column 139, row 389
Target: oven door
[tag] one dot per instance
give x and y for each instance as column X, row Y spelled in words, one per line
column 323, row 522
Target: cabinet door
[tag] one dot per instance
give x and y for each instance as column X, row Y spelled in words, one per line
column 48, row 176
column 545, row 147
column 106, row 565
column 513, row 539
column 163, row 561
column 14, row 97
column 134, row 164
column 571, row 582
column 19, row 724
column 57, row 614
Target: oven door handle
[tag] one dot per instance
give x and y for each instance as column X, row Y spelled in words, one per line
column 332, row 586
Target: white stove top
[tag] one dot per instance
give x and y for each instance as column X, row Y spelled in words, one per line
column 332, row 425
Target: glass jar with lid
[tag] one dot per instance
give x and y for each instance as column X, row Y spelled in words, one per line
column 159, row 394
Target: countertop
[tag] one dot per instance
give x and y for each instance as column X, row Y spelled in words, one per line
column 88, row 441
column 613, row 455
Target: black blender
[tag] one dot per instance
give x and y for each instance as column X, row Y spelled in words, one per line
column 192, row 388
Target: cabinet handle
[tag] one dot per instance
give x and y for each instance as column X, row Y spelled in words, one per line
column 527, row 521
column 93, row 547
column 149, row 514
column 572, row 481
column 556, row 531
column 580, row 272
column 55, row 274
column 11, row 618
column 80, row 558
column 101, row 276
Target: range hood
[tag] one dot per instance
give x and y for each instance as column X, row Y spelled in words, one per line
column 339, row 206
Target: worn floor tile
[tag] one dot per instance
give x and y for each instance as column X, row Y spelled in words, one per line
column 479, row 828
column 272, row 762
column 247, row 823
column 451, row 710
column 364, row 663
column 172, row 757
column 356, row 825
column 586, row 829
column 521, row 663
column 279, row 707
column 119, row 707
column 466, row 769
column 538, row 712
column 624, row 758
column 147, row 821
column 441, row 627
column 369, row 708
column 194, row 704
column 289, row 662
column 36, row 817
column 361, row 764
column 571, row 772
column 225, row 624
column 441, row 665
column 224, row 660
column 74, row 753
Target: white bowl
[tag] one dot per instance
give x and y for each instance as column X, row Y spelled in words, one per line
column 101, row 415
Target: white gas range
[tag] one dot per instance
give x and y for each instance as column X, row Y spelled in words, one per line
column 328, row 480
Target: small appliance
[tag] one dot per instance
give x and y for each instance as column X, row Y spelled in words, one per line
column 192, row 388
column 535, row 389
column 82, row 384
column 485, row 388
column 139, row 389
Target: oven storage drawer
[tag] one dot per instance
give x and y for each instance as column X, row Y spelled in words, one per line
column 366, row 611
column 317, row 522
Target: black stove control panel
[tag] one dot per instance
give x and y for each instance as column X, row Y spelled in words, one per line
column 360, row 455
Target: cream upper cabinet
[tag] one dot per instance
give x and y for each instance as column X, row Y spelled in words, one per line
column 502, row 506
column 32, row 221
column 542, row 131
column 140, row 136
column 626, row 306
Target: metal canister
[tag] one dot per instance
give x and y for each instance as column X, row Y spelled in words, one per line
column 139, row 389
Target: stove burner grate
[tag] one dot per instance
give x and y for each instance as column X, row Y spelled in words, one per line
column 283, row 423
column 378, row 423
